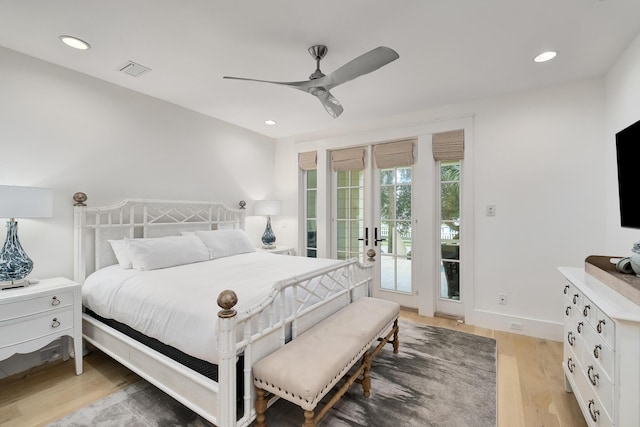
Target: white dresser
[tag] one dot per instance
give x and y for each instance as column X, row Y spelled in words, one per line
column 33, row 316
column 601, row 350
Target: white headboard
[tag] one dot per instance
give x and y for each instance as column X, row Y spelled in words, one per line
column 135, row 218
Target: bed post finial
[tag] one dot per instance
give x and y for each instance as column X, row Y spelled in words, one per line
column 227, row 300
column 79, row 198
column 242, row 204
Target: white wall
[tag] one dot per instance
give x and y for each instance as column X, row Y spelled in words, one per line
column 537, row 156
column 66, row 131
column 622, row 85
column 70, row 132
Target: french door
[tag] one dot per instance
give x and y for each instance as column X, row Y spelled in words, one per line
column 373, row 210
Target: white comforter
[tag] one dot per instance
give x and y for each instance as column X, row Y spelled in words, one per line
column 178, row 306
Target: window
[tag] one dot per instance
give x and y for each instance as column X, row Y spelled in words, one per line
column 450, row 229
column 311, row 212
column 307, row 162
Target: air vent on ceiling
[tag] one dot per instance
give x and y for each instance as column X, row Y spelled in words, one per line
column 133, row 69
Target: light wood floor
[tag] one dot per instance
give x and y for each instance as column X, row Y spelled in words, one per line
column 530, row 384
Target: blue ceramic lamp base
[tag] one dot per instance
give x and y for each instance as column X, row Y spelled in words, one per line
column 15, row 264
column 268, row 238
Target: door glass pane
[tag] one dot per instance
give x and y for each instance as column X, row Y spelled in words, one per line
column 343, row 200
column 350, row 215
column 311, row 234
column 450, row 230
column 395, row 229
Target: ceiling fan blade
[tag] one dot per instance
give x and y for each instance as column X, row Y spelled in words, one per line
column 303, row 85
column 361, row 65
column 329, row 102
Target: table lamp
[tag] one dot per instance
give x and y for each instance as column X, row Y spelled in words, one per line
column 268, row 208
column 20, row 202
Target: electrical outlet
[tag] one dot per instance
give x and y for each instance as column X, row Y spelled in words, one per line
column 491, row 210
column 517, row 326
column 502, row 299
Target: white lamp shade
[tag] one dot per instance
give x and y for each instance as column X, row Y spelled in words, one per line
column 268, row 207
column 25, row 202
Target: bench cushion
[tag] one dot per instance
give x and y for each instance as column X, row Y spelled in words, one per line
column 305, row 369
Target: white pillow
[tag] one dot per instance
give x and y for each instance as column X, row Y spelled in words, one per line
column 223, row 243
column 121, row 251
column 162, row 252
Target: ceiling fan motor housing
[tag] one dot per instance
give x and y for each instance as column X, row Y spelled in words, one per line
column 318, row 52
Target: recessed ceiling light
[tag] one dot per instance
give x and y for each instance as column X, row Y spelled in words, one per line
column 270, row 122
column 545, row 56
column 75, row 42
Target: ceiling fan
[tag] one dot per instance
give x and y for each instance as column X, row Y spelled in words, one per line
column 320, row 84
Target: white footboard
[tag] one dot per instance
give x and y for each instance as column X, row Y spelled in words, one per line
column 266, row 326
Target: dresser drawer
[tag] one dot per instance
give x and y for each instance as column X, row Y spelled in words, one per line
column 38, row 304
column 600, row 322
column 594, row 412
column 599, row 351
column 54, row 322
column 600, row 385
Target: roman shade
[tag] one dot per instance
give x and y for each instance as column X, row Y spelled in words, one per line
column 448, row 145
column 393, row 154
column 348, row 160
column 308, row 161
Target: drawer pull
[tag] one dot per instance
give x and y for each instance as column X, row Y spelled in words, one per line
column 55, row 323
column 575, row 298
column 570, row 338
column 570, row 365
column 596, row 351
column 599, row 327
column 566, row 289
column 580, row 325
column 585, row 312
column 593, row 412
column 593, row 377
column 568, row 310
column 55, row 301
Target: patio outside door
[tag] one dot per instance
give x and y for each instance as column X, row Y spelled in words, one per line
column 373, row 210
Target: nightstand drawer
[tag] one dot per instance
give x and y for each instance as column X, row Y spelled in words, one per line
column 35, row 327
column 39, row 304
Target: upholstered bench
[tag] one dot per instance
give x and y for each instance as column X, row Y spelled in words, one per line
column 307, row 368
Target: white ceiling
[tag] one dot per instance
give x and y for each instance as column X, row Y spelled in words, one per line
column 450, row 50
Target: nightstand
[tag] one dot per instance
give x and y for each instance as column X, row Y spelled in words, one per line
column 283, row 250
column 33, row 316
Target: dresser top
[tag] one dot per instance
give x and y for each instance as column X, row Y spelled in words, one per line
column 604, row 270
column 612, row 302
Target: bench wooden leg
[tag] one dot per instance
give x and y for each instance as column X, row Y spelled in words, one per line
column 261, row 408
column 309, row 419
column 366, row 376
column 396, row 341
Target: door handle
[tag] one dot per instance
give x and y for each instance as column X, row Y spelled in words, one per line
column 375, row 236
column 366, row 236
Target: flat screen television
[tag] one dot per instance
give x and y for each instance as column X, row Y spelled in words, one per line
column 628, row 155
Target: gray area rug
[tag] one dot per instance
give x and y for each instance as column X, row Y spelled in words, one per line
column 440, row 378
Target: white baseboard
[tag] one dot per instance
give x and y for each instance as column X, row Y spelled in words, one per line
column 502, row 322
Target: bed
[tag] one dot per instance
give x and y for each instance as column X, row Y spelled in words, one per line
column 201, row 357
